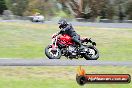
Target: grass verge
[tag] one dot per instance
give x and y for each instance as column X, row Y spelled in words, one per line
column 55, row 77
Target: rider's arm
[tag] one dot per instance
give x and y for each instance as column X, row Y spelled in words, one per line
column 63, row 30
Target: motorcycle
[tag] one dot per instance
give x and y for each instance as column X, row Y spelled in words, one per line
column 62, row 45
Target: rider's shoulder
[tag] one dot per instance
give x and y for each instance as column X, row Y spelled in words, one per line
column 69, row 25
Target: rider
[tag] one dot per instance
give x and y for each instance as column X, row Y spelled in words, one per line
column 68, row 29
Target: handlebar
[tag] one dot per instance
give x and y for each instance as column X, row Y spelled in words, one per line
column 89, row 40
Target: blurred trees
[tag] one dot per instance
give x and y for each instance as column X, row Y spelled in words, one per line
column 29, row 7
column 45, row 7
column 2, row 6
column 129, row 10
column 88, row 9
column 17, row 6
column 96, row 6
column 74, row 7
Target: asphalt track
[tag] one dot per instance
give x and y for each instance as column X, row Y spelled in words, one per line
column 89, row 24
column 59, row 62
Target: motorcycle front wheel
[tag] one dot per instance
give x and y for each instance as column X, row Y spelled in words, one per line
column 92, row 53
column 52, row 54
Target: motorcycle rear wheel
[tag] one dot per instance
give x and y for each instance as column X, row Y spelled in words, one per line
column 50, row 54
column 92, row 54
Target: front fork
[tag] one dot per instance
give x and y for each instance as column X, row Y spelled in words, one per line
column 54, row 43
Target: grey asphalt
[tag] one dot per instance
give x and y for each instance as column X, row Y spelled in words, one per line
column 104, row 25
column 59, row 62
column 89, row 24
column 99, row 25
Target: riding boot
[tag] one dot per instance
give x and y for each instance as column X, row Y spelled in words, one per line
column 79, row 43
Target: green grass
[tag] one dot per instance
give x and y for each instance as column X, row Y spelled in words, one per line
column 55, row 77
column 26, row 40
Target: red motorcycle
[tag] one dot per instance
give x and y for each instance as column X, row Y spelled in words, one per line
column 62, row 45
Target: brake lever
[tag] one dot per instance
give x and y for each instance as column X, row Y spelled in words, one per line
column 89, row 40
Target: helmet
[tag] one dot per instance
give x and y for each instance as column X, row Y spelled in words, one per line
column 63, row 23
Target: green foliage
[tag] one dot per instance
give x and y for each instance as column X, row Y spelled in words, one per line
column 129, row 9
column 62, row 14
column 84, row 8
column 2, row 6
column 47, row 8
column 110, row 11
column 17, row 6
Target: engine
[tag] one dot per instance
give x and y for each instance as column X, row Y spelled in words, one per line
column 72, row 51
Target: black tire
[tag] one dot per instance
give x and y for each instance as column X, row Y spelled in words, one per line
column 50, row 56
column 88, row 57
column 81, row 80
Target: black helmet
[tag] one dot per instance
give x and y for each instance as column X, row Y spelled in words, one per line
column 62, row 23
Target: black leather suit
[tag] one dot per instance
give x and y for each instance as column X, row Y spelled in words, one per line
column 68, row 29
